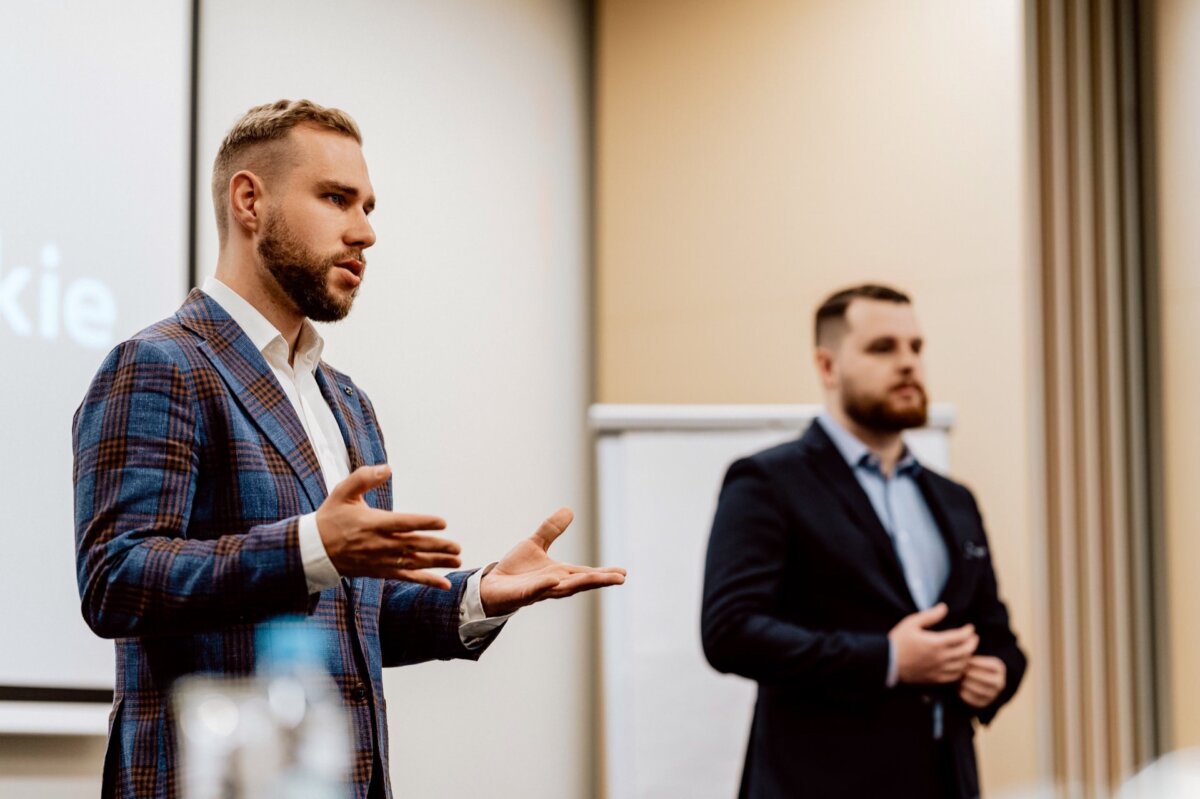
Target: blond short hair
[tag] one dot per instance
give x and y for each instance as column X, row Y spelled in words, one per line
column 255, row 142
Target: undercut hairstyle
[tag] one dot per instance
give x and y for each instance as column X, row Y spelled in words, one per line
column 257, row 142
column 830, row 322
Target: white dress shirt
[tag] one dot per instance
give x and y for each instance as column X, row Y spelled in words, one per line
column 299, row 383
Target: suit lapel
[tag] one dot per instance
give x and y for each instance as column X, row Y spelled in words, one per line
column 353, row 428
column 349, row 416
column 832, row 468
column 253, row 385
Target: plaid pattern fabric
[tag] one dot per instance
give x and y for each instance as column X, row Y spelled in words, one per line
column 191, row 471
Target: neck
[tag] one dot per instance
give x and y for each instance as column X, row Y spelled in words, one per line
column 245, row 277
column 886, row 445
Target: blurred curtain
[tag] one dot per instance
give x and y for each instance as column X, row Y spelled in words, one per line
column 1099, row 388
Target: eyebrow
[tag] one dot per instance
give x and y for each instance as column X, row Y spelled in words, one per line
column 890, row 339
column 349, row 191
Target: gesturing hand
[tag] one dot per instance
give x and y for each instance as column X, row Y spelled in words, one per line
column 527, row 574
column 924, row 656
column 983, row 680
column 362, row 541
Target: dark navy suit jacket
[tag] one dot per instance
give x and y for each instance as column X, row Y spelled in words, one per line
column 802, row 585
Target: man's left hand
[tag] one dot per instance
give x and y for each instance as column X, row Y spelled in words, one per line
column 983, row 680
column 527, row 574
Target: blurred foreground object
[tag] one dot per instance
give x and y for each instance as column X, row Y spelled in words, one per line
column 280, row 734
column 1174, row 776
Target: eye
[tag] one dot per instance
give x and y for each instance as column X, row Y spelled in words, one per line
column 336, row 199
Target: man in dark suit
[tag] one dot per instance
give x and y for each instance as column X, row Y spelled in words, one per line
column 225, row 474
column 856, row 586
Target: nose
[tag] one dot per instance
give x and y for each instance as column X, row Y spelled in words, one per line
column 360, row 234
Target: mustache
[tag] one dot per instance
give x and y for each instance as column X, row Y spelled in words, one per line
column 356, row 255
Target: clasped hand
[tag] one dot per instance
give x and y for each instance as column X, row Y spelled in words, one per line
column 362, row 541
column 948, row 656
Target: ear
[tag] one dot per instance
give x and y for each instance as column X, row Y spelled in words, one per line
column 825, row 360
column 246, row 200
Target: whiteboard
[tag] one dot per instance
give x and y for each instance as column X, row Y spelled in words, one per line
column 672, row 726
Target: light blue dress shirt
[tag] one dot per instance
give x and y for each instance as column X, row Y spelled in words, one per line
column 905, row 515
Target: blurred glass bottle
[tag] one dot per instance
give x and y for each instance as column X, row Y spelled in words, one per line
column 312, row 730
column 281, row 734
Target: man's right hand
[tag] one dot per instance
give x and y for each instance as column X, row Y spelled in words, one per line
column 924, row 656
column 362, row 541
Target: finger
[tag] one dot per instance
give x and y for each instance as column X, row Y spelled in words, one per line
column 553, row 527
column 956, row 637
column 542, row 588
column 424, row 578
column 952, row 671
column 576, row 583
column 988, row 664
column 427, row 560
column 386, row 521
column 573, row 569
column 973, row 698
column 975, row 684
column 962, row 651
column 957, row 659
column 404, row 543
column 983, row 693
column 930, row 617
column 989, row 682
column 360, row 481
column 946, row 675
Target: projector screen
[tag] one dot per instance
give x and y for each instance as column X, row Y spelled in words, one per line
column 94, row 143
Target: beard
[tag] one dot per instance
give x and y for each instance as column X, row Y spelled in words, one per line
column 881, row 414
column 302, row 274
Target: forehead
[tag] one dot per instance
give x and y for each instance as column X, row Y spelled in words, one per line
column 323, row 154
column 868, row 319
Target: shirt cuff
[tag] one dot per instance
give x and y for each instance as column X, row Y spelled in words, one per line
column 319, row 571
column 474, row 626
column 893, row 672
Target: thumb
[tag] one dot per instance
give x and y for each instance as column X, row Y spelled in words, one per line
column 553, row 527
column 360, row 481
column 930, row 617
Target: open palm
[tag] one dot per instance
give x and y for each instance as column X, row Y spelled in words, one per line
column 528, row 574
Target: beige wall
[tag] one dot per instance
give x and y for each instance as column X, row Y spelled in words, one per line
column 1177, row 64
column 755, row 156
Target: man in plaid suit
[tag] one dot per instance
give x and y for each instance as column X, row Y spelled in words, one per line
column 225, row 474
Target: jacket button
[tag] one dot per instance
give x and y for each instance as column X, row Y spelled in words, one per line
column 359, row 693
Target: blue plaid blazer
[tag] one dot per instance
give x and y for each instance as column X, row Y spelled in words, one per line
column 191, row 470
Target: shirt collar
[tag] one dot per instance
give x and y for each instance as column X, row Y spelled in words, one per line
column 856, row 453
column 264, row 335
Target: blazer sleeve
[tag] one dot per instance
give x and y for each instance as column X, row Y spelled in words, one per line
column 741, row 630
column 419, row 623
column 136, row 441
column 996, row 638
